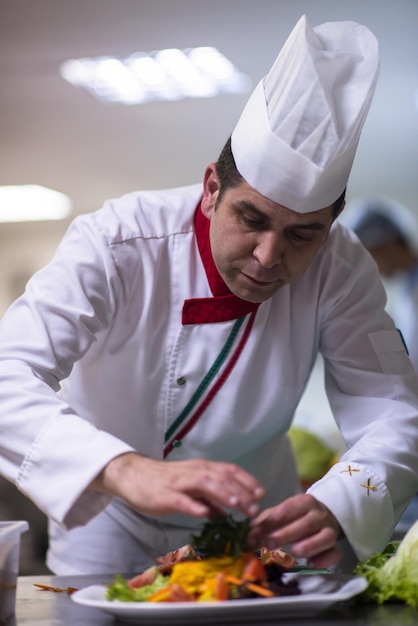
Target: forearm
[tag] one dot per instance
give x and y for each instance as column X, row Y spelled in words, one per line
column 115, row 474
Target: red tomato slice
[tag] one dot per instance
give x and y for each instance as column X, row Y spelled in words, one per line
column 178, row 594
column 254, row 570
column 146, row 578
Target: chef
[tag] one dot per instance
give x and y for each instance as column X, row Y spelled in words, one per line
column 151, row 370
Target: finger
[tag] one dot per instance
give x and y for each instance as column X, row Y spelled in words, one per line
column 250, row 484
column 227, row 495
column 243, row 489
column 226, row 485
column 274, row 532
column 282, row 515
column 324, row 539
column 177, row 502
column 214, row 510
column 277, row 539
column 326, row 559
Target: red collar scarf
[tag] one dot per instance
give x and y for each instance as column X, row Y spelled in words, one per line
column 224, row 305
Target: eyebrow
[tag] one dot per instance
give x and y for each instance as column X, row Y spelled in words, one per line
column 249, row 206
column 313, row 226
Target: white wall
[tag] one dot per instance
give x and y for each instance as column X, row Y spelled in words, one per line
column 23, row 250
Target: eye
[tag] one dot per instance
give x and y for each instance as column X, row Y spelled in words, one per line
column 300, row 236
column 251, row 221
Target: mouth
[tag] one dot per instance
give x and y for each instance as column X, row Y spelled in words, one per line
column 260, row 283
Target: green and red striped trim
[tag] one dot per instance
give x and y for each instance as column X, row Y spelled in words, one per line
column 185, row 421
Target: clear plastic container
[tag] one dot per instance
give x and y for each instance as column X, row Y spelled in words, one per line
column 10, row 533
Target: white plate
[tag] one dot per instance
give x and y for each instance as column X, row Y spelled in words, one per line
column 318, row 592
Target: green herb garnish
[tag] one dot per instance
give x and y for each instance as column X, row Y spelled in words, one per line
column 223, row 536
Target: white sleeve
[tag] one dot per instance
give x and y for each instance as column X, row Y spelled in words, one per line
column 46, row 449
column 373, row 394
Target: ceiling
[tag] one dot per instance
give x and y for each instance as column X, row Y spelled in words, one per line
column 57, row 135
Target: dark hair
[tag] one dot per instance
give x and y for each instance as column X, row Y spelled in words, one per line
column 229, row 176
column 338, row 204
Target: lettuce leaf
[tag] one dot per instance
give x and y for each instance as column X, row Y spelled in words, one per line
column 119, row 589
column 393, row 573
column 371, row 569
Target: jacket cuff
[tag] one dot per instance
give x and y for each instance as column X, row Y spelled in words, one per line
column 362, row 504
column 60, row 465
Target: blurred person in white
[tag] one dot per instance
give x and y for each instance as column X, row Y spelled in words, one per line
column 389, row 231
column 149, row 373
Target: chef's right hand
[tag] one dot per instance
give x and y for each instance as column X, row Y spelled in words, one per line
column 196, row 487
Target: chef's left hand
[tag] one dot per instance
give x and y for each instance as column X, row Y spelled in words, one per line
column 305, row 524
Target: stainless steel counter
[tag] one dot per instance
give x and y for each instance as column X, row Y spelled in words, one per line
column 47, row 608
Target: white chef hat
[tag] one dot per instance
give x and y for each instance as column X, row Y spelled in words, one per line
column 297, row 136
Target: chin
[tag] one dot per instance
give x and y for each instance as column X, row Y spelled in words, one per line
column 255, row 298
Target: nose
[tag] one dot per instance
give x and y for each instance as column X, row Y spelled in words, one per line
column 269, row 250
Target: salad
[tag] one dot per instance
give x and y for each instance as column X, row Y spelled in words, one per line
column 216, row 565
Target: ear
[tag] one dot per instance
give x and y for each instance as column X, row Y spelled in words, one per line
column 210, row 190
column 340, row 210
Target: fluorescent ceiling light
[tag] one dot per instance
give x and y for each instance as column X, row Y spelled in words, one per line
column 171, row 74
column 32, row 203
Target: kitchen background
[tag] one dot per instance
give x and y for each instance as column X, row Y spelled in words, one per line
column 58, row 135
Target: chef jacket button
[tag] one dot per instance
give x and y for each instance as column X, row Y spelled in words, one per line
column 181, row 381
column 176, row 443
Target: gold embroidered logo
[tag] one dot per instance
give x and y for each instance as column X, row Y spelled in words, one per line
column 349, row 470
column 368, row 486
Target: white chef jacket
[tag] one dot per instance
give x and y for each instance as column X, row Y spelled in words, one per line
column 405, row 312
column 95, row 361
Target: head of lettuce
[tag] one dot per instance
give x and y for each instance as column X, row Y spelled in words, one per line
column 393, row 573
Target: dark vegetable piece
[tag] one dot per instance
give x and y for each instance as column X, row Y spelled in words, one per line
column 278, row 584
column 222, row 536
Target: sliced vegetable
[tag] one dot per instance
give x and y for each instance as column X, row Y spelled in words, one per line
column 171, row 593
column 67, row 590
column 146, row 578
column 279, row 556
column 254, row 570
column 193, row 575
column 185, row 553
column 260, row 590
